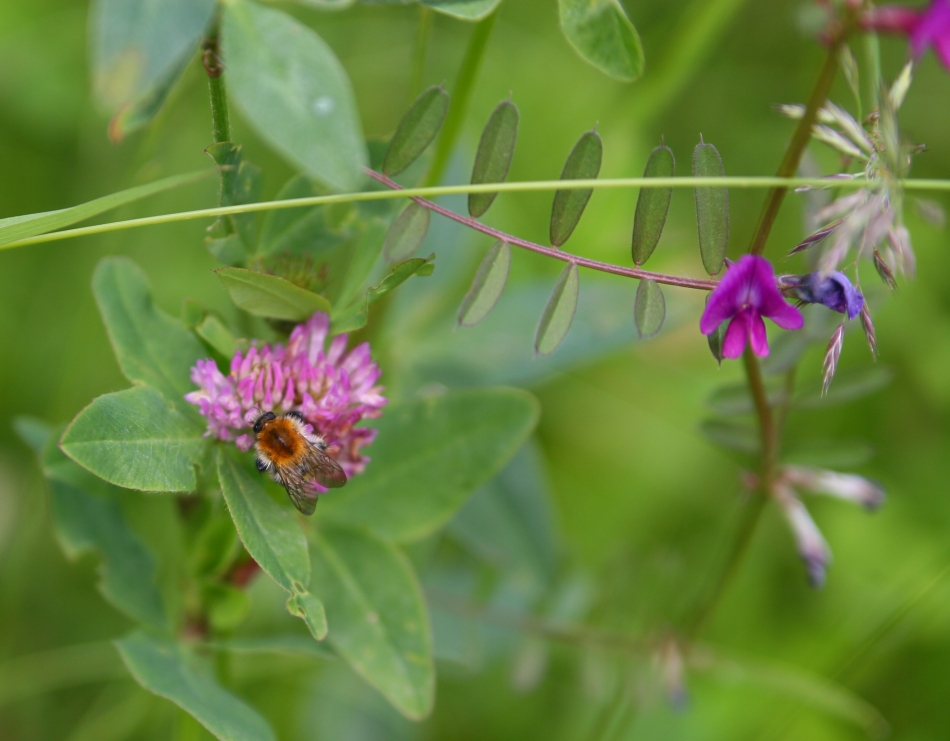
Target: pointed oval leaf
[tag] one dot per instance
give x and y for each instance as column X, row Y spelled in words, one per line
column 416, row 130
column 134, row 440
column 294, row 91
column 601, row 32
column 377, row 615
column 850, row 385
column 465, row 10
column 583, row 163
column 712, row 208
column 559, row 313
column 270, row 296
column 407, row 232
column 487, row 286
column 169, row 670
column 429, row 455
column 493, row 158
column 653, row 204
column 649, row 310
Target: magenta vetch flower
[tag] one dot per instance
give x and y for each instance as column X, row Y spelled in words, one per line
column 332, row 388
column 746, row 293
column 924, row 27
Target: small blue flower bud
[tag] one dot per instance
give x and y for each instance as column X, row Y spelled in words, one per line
column 834, row 291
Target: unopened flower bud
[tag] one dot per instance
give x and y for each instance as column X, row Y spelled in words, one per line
column 811, row 544
column 834, row 291
column 850, row 487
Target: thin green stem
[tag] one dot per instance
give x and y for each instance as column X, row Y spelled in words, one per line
column 461, row 97
column 796, row 148
column 220, row 118
column 420, row 51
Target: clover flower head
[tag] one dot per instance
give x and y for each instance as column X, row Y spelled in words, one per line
column 834, row 291
column 332, row 388
column 747, row 293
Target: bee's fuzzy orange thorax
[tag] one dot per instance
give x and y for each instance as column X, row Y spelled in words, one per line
column 282, row 441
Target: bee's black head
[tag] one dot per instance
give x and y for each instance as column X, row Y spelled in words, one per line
column 265, row 417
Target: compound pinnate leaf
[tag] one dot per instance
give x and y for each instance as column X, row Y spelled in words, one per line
column 712, row 208
column 152, row 348
column 603, row 35
column 487, row 286
column 493, row 158
column 133, row 439
column 466, row 10
column 272, row 537
column 429, row 455
column 583, row 163
column 559, row 312
column 849, row 386
column 294, row 91
column 377, row 615
column 653, row 204
column 407, row 232
column 139, row 49
column 416, row 130
column 170, row 670
column 649, row 310
column 15, row 228
column 270, row 296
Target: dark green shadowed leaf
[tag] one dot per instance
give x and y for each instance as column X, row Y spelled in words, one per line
column 273, row 538
column 416, row 130
column 466, row 10
column 134, row 440
column 87, row 518
column 712, row 208
column 653, row 204
column 270, row 295
column 152, row 348
column 493, row 158
column 139, row 49
column 15, row 228
column 429, row 455
column 407, row 232
column 583, row 163
column 487, row 286
column 34, row 432
column 308, row 230
column 559, row 312
column 649, row 310
column 601, row 33
column 170, row 670
column 294, row 91
column 356, row 315
column 738, row 437
column 377, row 615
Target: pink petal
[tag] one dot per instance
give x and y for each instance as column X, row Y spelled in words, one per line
column 760, row 341
column 728, row 297
column 734, row 343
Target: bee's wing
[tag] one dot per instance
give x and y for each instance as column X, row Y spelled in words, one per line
column 316, row 466
column 323, row 469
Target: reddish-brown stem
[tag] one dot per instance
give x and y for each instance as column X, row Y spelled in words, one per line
column 584, row 262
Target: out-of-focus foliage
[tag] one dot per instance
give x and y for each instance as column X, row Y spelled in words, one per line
column 612, row 518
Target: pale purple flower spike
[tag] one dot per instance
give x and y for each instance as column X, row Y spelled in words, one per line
column 333, row 390
column 747, row 293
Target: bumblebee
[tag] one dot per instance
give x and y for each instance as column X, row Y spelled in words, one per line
column 295, row 458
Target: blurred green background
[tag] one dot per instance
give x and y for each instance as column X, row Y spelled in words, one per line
column 641, row 502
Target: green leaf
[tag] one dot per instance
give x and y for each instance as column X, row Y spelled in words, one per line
column 169, row 670
column 152, row 348
column 273, row 538
column 429, row 455
column 213, row 331
column 712, row 208
column 417, row 129
column 466, row 10
column 649, row 310
column 270, row 295
column 583, row 163
column 87, row 518
column 15, row 228
column 601, row 33
column 356, row 315
column 407, row 232
column 849, row 385
column 33, row 431
column 139, row 49
column 832, row 453
column 294, row 91
column 241, row 183
column 559, row 312
column 653, row 204
column 377, row 616
column 363, row 258
column 742, row 438
column 487, row 286
column 493, row 158
column 134, row 440
column 300, row 231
